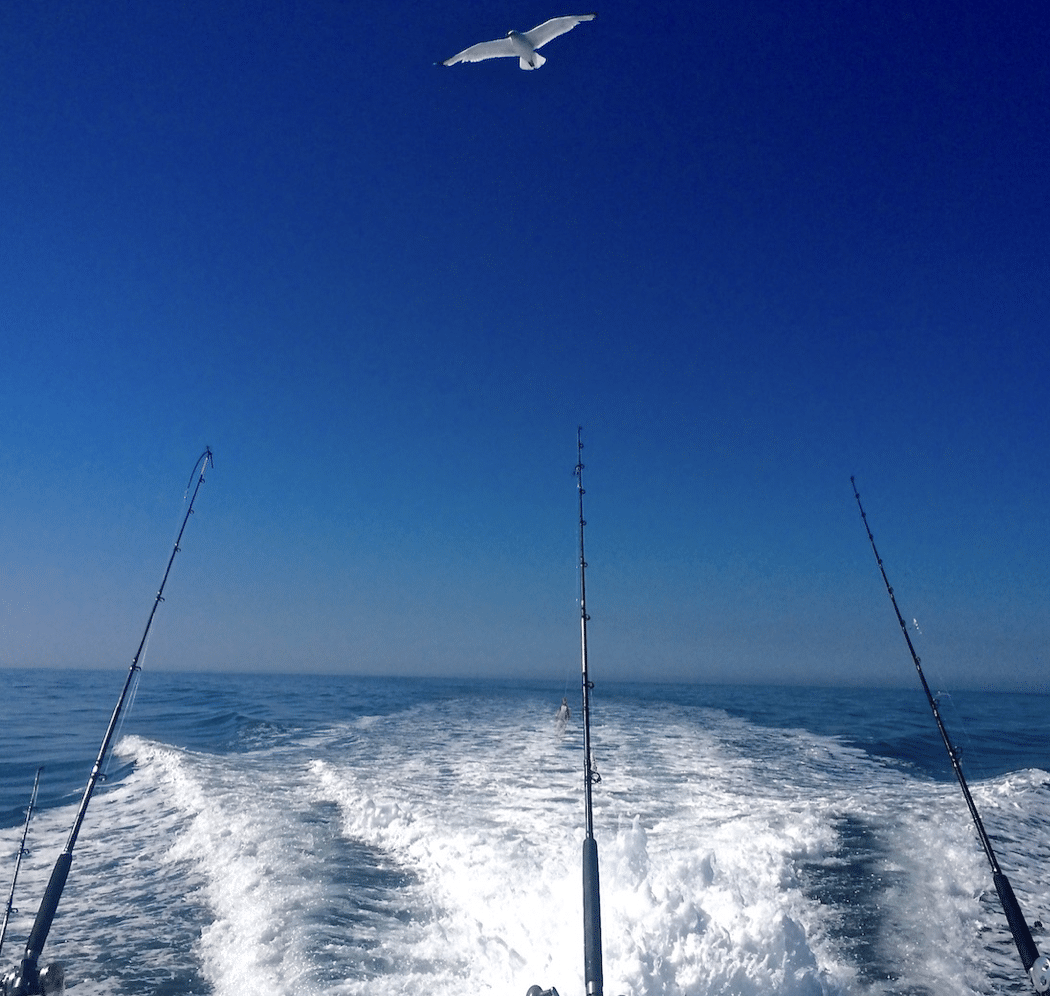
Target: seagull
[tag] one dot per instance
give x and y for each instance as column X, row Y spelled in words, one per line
column 523, row 44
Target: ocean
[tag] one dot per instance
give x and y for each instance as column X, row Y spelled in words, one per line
column 303, row 834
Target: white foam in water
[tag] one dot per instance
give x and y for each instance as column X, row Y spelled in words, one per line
column 438, row 850
column 255, row 857
column 696, row 888
column 126, row 909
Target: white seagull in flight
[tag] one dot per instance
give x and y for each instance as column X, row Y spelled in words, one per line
column 523, row 44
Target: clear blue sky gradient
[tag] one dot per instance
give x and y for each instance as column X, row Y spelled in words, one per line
column 752, row 248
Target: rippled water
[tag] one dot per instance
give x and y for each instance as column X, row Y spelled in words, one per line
column 300, row 835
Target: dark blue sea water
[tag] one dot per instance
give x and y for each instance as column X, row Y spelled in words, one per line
column 334, row 835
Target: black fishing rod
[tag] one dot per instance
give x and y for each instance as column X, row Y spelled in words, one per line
column 592, row 917
column 1037, row 967
column 18, row 860
column 29, row 980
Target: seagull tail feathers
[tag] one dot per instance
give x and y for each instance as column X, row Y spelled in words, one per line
column 534, row 61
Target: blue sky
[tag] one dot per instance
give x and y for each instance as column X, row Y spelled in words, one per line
column 751, row 248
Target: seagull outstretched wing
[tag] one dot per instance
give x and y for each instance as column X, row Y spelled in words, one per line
column 543, row 33
column 521, row 44
column 483, row 50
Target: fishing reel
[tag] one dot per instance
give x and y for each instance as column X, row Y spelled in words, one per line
column 50, row 982
column 537, row 991
column 1040, row 974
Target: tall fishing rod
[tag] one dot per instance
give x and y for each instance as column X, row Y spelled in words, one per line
column 592, row 917
column 1037, row 967
column 28, row 979
column 18, row 860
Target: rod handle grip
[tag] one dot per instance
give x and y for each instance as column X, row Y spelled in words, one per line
column 1015, row 918
column 592, row 919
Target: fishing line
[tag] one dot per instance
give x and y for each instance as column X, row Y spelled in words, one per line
column 1037, row 966
column 133, row 688
column 962, row 741
column 573, row 543
column 133, row 691
column 964, row 744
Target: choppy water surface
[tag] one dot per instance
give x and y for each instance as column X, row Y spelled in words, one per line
column 281, row 835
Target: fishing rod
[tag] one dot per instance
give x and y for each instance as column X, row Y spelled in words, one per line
column 1037, row 966
column 18, row 860
column 592, row 917
column 29, row 980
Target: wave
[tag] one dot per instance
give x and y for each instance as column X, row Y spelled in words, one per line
column 438, row 848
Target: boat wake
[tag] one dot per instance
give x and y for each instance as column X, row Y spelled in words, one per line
column 436, row 849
